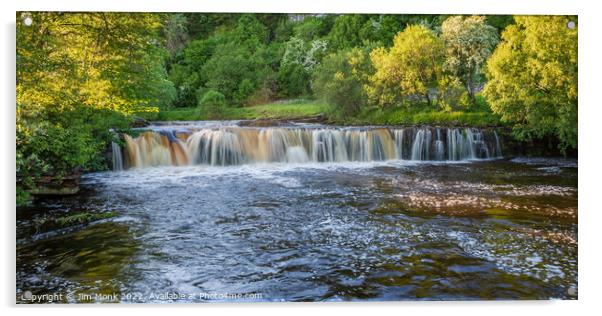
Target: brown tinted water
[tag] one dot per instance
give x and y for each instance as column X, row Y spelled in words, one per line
column 396, row 230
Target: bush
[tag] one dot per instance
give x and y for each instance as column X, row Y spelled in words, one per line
column 293, row 81
column 213, row 104
column 340, row 78
column 452, row 94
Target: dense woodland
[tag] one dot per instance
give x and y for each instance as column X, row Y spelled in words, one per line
column 81, row 75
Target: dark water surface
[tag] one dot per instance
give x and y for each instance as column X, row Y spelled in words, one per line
column 358, row 231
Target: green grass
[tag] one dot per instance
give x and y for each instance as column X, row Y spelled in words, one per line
column 433, row 116
column 404, row 117
column 478, row 116
column 294, row 109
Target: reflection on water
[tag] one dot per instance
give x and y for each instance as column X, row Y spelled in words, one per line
column 355, row 231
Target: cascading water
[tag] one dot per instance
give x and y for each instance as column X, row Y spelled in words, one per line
column 234, row 145
column 117, row 157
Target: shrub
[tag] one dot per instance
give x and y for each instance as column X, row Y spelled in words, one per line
column 340, row 79
column 213, row 104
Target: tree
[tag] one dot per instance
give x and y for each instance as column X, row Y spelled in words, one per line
column 340, row 78
column 111, row 60
column 297, row 65
column 237, row 71
column 176, row 33
column 469, row 41
column 237, row 62
column 213, row 104
column 533, row 78
column 409, row 68
column 313, row 27
column 346, row 31
column 78, row 76
column 382, row 28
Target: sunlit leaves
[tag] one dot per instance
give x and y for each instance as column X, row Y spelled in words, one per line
column 78, row 76
column 469, row 41
column 409, row 67
column 533, row 78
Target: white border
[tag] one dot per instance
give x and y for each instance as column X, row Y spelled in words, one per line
column 589, row 171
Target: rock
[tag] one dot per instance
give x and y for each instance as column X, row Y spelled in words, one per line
column 49, row 185
column 140, row 122
column 261, row 123
column 320, row 118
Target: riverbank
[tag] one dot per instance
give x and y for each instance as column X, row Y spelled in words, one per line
column 299, row 110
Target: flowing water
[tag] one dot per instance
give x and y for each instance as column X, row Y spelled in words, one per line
column 310, row 213
column 230, row 144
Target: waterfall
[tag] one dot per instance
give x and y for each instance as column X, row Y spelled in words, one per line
column 398, row 135
column 498, row 147
column 235, row 145
column 439, row 148
column 117, row 157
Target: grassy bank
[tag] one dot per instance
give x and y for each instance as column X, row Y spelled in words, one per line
column 278, row 110
column 306, row 109
column 433, row 117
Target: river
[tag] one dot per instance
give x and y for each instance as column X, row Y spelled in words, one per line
column 305, row 229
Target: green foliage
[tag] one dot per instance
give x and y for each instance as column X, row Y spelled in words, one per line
column 78, row 76
column 406, row 117
column 276, row 110
column 240, row 66
column 293, row 81
column 313, row 27
column 500, row 22
column 408, row 69
column 213, row 104
column 348, row 31
column 533, row 78
column 103, row 60
column 234, row 67
column 203, row 25
column 452, row 94
column 469, row 41
column 175, row 31
column 340, row 79
column 22, row 196
column 297, row 65
column 382, row 29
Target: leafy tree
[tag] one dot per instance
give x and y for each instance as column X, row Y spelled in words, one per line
column 384, row 27
column 175, row 32
column 409, row 68
column 297, row 65
column 313, row 27
column 452, row 94
column 235, row 61
column 78, row 76
column 249, row 29
column 186, row 73
column 272, row 21
column 237, row 71
column 500, row 22
column 340, row 78
column 469, row 41
column 213, row 104
column 346, row 32
column 204, row 25
column 533, row 78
